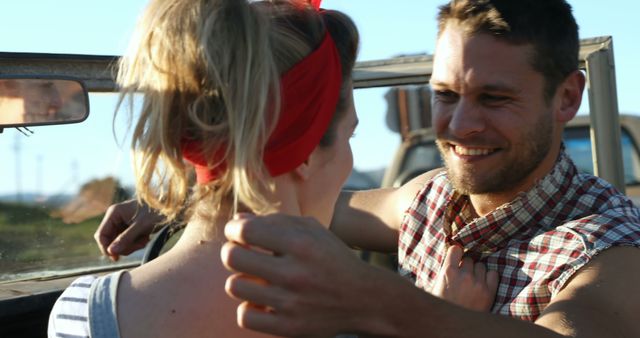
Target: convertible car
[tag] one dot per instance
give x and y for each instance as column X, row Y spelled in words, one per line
column 67, row 166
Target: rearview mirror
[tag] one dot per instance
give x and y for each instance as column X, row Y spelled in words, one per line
column 40, row 101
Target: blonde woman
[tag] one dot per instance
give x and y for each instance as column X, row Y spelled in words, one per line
column 255, row 98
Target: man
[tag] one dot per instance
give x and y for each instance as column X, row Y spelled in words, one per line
column 29, row 101
column 505, row 82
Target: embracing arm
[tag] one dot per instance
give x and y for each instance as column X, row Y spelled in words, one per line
column 316, row 286
column 370, row 219
column 601, row 300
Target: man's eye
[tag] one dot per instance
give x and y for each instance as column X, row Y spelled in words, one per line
column 491, row 99
column 445, row 95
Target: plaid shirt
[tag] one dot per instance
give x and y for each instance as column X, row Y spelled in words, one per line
column 536, row 242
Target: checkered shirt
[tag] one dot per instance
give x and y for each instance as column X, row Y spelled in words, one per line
column 536, row 242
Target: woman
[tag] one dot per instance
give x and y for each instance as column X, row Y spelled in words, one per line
column 256, row 99
column 231, row 88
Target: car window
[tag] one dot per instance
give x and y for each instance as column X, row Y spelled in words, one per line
column 59, row 180
column 578, row 144
column 373, row 143
column 420, row 158
column 64, row 177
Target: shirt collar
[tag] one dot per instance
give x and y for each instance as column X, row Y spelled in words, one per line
column 516, row 219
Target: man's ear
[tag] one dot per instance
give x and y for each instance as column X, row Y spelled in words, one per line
column 569, row 96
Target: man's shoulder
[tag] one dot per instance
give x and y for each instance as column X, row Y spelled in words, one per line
column 593, row 198
column 429, row 186
column 566, row 248
column 622, row 221
column 589, row 186
column 599, row 204
column 438, row 184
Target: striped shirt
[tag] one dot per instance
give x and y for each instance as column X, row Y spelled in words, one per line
column 69, row 316
column 536, row 242
column 87, row 308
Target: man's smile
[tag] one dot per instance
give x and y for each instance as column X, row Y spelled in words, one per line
column 471, row 153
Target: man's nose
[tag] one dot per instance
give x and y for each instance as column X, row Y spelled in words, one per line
column 55, row 102
column 466, row 119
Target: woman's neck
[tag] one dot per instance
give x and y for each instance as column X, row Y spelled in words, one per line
column 210, row 227
column 206, row 228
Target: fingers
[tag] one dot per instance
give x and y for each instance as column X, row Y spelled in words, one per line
column 301, row 273
column 466, row 266
column 453, row 256
column 465, row 282
column 254, row 290
column 266, row 234
column 253, row 317
column 454, row 262
column 118, row 248
column 488, row 287
column 109, row 228
column 272, row 232
column 480, row 271
column 132, row 238
column 236, row 257
column 493, row 280
column 125, row 228
column 103, row 242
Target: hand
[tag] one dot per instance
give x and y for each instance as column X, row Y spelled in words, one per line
column 125, row 228
column 464, row 283
column 296, row 278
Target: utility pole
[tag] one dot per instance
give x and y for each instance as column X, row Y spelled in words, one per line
column 39, row 176
column 75, row 171
column 16, row 148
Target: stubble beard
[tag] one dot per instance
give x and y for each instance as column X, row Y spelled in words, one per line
column 526, row 155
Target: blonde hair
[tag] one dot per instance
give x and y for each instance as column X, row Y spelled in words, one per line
column 208, row 70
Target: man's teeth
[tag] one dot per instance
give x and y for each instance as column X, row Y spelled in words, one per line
column 471, row 151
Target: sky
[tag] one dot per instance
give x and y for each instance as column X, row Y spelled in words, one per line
column 58, row 159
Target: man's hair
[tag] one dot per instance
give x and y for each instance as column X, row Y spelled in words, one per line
column 548, row 25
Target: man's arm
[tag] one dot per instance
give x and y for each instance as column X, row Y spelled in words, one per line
column 370, row 219
column 314, row 285
column 601, row 300
column 125, row 228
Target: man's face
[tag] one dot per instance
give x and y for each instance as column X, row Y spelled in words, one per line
column 41, row 101
column 494, row 127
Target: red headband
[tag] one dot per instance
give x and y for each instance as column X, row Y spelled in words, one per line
column 309, row 96
column 315, row 4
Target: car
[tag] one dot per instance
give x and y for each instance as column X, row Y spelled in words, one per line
column 45, row 243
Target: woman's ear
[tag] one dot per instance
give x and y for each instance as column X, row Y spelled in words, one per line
column 570, row 96
column 303, row 171
column 310, row 165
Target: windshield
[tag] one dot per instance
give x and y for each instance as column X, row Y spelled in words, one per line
column 63, row 178
column 58, row 183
